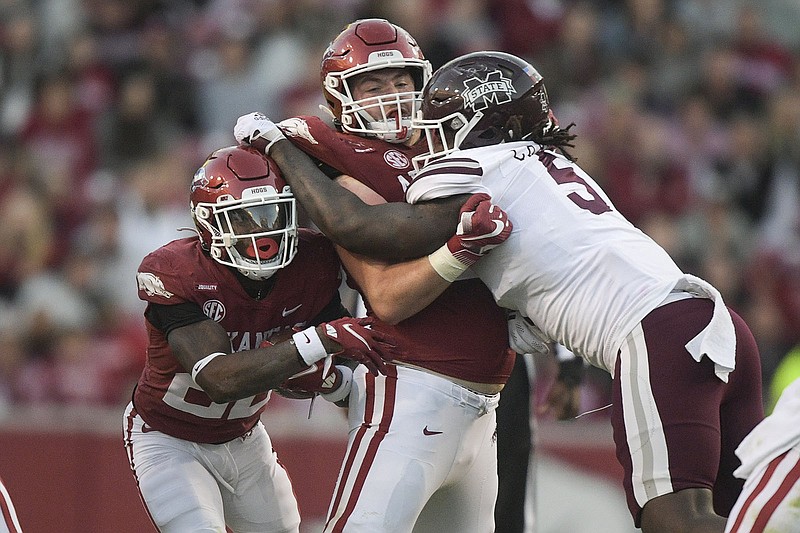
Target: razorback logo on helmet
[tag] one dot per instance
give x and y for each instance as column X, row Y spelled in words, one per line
column 481, row 93
column 152, row 285
column 396, row 159
column 200, row 179
column 214, row 309
column 297, row 127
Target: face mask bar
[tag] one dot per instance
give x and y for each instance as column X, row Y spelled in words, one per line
column 355, row 118
column 394, row 124
column 438, row 144
column 257, row 236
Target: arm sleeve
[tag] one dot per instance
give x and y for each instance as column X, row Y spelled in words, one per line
column 165, row 318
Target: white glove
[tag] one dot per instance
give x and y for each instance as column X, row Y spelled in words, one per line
column 255, row 126
column 524, row 336
column 342, row 389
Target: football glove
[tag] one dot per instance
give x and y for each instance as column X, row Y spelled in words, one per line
column 482, row 226
column 524, row 336
column 361, row 343
column 333, row 385
column 257, row 130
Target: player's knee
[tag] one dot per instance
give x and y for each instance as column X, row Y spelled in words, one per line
column 685, row 511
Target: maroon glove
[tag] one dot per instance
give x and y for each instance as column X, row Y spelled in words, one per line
column 361, row 343
column 482, row 226
column 333, row 385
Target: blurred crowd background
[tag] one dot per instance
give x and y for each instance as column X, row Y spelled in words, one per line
column 687, row 112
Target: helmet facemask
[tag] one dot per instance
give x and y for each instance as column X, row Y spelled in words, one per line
column 444, row 136
column 257, row 234
column 395, row 110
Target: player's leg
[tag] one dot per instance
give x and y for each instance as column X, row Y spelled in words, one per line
column 514, row 450
column 466, row 499
column 10, row 522
column 741, row 410
column 178, row 492
column 404, row 432
column 263, row 499
column 666, row 421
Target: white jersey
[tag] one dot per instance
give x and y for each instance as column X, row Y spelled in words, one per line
column 573, row 264
column 777, row 433
column 770, row 456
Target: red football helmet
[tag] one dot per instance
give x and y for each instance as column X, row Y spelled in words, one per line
column 363, row 46
column 244, row 211
column 481, row 99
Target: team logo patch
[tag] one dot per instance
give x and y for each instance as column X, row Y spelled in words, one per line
column 200, row 179
column 396, row 159
column 214, row 309
column 152, row 285
column 297, row 127
column 480, row 93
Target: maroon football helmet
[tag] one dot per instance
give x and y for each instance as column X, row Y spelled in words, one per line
column 481, row 99
column 244, row 211
column 363, row 46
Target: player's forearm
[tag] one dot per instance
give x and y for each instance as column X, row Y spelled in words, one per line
column 334, row 210
column 244, row 374
column 395, row 291
column 389, row 232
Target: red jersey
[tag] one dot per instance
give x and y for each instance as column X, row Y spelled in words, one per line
column 166, row 397
column 463, row 333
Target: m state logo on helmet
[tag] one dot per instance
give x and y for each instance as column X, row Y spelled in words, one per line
column 244, row 211
column 363, row 46
column 482, row 99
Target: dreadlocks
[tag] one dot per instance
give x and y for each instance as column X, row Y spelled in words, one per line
column 559, row 138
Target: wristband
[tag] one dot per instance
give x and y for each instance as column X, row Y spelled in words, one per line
column 309, row 345
column 446, row 265
column 201, row 364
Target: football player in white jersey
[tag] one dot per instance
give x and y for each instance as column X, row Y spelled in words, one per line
column 200, row 455
column 10, row 522
column 770, row 457
column 685, row 368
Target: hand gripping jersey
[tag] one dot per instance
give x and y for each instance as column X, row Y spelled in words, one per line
column 166, row 397
column 575, row 266
column 442, row 337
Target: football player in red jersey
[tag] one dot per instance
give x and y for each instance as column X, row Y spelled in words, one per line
column 200, row 455
column 10, row 522
column 427, row 429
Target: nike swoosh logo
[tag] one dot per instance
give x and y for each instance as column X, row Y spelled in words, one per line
column 426, row 431
column 146, row 428
column 499, row 226
column 287, row 312
column 310, row 370
column 349, row 329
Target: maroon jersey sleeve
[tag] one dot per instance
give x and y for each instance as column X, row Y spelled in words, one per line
column 166, row 397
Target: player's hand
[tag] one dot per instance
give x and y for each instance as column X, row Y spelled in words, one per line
column 482, row 226
column 333, row 384
column 257, row 130
column 524, row 336
column 563, row 400
column 359, row 342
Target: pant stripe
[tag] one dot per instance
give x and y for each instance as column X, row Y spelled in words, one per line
column 372, row 430
column 649, row 458
column 772, row 503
